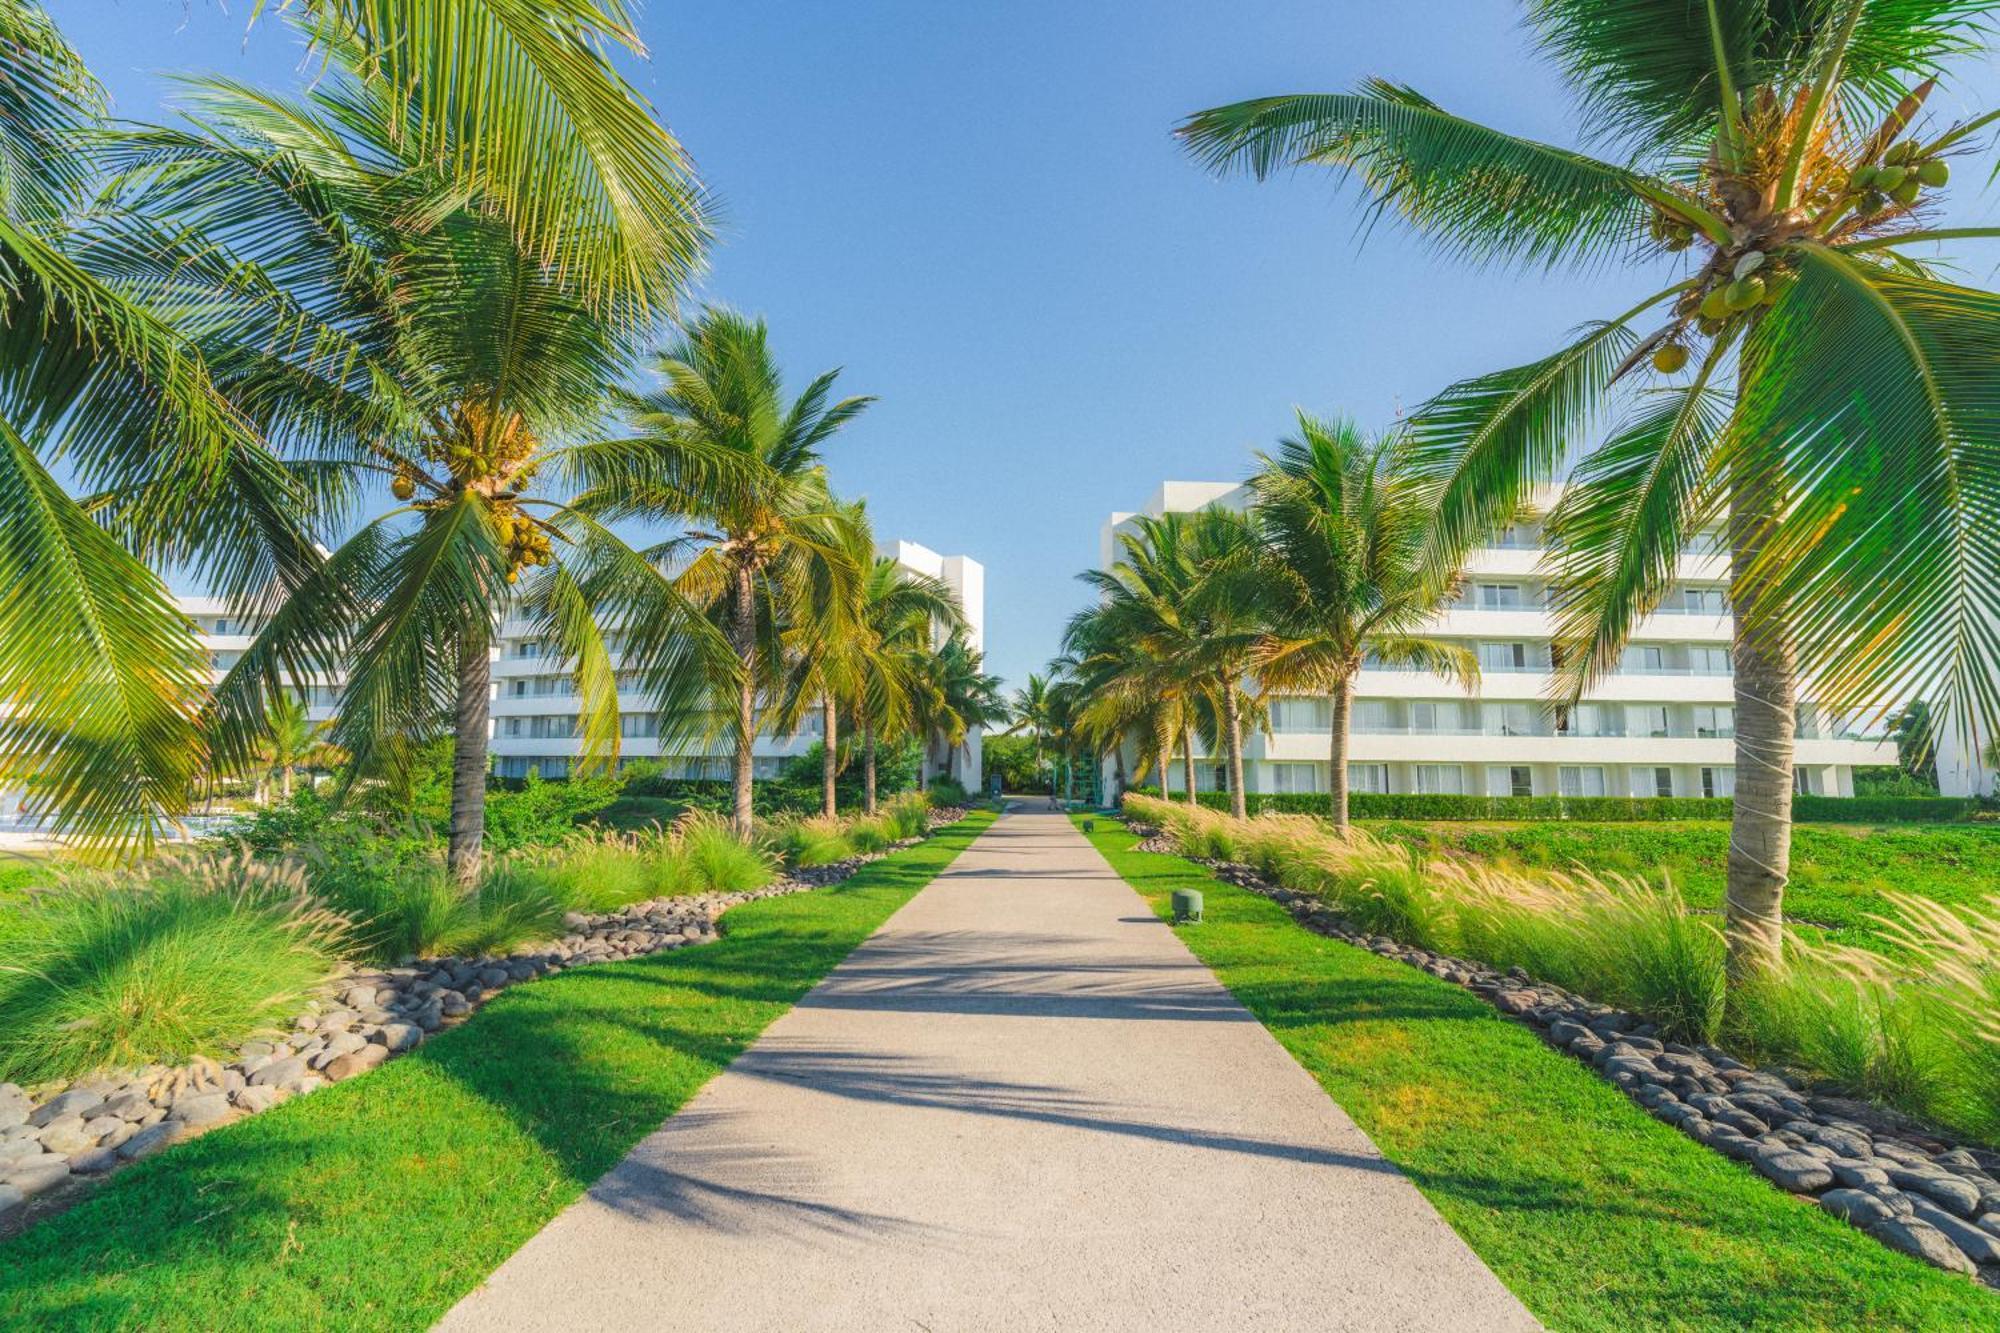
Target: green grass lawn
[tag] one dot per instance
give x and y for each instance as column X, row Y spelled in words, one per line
column 1840, row 873
column 1593, row 1213
column 377, row 1203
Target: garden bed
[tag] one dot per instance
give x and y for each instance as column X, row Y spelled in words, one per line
column 59, row 1138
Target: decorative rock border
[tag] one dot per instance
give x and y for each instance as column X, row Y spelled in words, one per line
column 1872, row 1167
column 54, row 1144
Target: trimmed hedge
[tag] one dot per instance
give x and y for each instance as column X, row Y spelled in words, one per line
column 1600, row 809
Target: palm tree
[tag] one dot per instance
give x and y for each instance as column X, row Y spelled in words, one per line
column 292, row 740
column 903, row 614
column 1030, row 707
column 1342, row 538
column 1187, row 587
column 1820, row 386
column 513, row 109
column 404, row 331
column 1131, row 686
column 769, row 549
column 954, row 697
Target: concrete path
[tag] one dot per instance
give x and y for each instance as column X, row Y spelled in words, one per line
column 1021, row 1105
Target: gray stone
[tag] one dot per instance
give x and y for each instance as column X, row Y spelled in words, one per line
column 1636, row 1065
column 38, row 1175
column 1843, row 1143
column 1990, row 1221
column 128, row 1106
column 149, row 1140
column 95, row 1162
column 1899, row 1202
column 74, row 1102
column 1853, row 1172
column 1856, row 1206
column 280, row 1072
column 14, row 1150
column 1794, row 1171
column 400, row 1036
column 1982, row 1247
column 201, row 1109
column 1923, row 1241
column 356, row 1062
column 1958, row 1195
column 260, row 1098
column 67, row 1135
column 15, row 1108
column 10, row 1199
column 362, row 996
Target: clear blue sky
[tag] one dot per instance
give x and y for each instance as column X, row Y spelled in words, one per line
column 977, row 210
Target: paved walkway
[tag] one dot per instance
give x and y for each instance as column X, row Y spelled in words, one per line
column 1021, row 1105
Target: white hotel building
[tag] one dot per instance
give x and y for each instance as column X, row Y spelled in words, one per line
column 534, row 703
column 1662, row 725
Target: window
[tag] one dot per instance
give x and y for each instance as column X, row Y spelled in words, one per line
column 518, row 688
column 512, row 727
column 1501, row 597
column 1434, row 717
column 1802, row 783
column 1650, row 720
column 1295, row 777
column 1591, row 720
column 1512, row 719
column 1714, row 721
column 1520, row 780
column 1663, row 782
column 1705, row 601
column 1302, row 715
column 1503, row 657
column 639, row 724
column 1646, row 659
column 1370, row 715
column 1709, row 661
column 223, row 625
column 1580, row 780
column 1806, row 721
column 1515, row 537
column 1370, row 778
column 1441, row 779
column 1718, row 782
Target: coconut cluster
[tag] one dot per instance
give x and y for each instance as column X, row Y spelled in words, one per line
column 1900, row 178
column 492, row 454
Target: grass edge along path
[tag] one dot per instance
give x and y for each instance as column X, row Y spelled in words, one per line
column 1593, row 1213
column 379, row 1202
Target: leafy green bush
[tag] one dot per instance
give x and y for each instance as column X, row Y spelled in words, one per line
column 172, row 961
column 1013, row 758
column 538, row 813
column 1596, row 809
column 947, row 791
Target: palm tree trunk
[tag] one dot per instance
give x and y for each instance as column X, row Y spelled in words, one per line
column 1343, row 709
column 744, row 636
column 868, row 767
column 287, row 782
column 829, row 768
column 1232, row 722
column 1765, row 661
column 1187, row 762
column 470, row 723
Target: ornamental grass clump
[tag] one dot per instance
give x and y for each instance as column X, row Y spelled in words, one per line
column 806, row 841
column 907, row 816
column 602, row 872
column 175, row 960
column 717, row 860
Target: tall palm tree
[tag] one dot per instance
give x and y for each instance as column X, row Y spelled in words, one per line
column 955, row 696
column 292, row 741
column 769, row 550
column 1187, row 587
column 1342, row 538
column 408, row 334
column 903, row 615
column 1822, row 393
column 1030, row 707
column 511, row 106
column 1132, row 685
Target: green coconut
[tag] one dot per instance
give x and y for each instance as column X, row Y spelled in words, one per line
column 1934, row 172
column 1668, row 358
column 1906, row 193
column 1745, row 292
column 1715, row 305
column 1888, row 179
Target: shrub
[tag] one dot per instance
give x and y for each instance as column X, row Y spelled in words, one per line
column 867, row 835
column 947, row 791
column 1604, row 809
column 907, row 816
column 516, row 904
column 602, row 872
column 1920, row 1031
column 170, row 962
column 717, row 860
column 813, row 840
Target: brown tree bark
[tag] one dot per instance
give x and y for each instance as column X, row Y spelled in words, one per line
column 1765, row 662
column 471, row 722
column 868, row 767
column 829, row 767
column 743, row 637
column 1342, row 711
column 1232, row 723
column 1187, row 762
